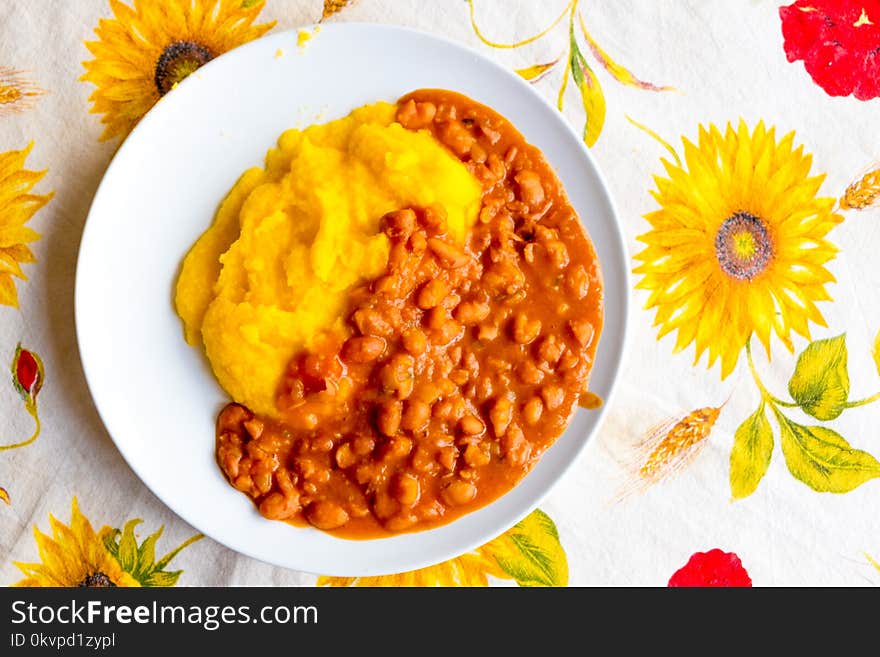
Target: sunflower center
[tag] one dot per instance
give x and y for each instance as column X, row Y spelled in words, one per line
column 97, row 580
column 177, row 61
column 743, row 246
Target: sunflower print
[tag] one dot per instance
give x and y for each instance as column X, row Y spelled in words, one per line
column 146, row 50
column 17, row 206
column 78, row 556
column 739, row 242
column 74, row 555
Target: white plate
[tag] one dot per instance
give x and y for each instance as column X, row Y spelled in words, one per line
column 156, row 395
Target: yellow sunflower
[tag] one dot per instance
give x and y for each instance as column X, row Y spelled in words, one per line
column 738, row 246
column 147, row 49
column 17, row 206
column 73, row 556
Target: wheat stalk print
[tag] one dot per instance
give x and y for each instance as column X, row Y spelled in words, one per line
column 862, row 193
column 575, row 67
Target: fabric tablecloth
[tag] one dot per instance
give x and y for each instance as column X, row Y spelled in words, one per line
column 740, row 143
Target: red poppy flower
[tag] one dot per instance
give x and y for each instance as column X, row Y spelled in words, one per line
column 712, row 568
column 839, row 43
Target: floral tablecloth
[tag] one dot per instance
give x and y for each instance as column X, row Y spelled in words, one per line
column 740, row 143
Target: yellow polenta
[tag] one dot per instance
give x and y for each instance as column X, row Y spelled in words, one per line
column 291, row 239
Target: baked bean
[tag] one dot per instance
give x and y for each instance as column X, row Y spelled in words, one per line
column 510, row 155
column 501, row 415
column 475, row 456
column 398, row 447
column 525, row 330
column 531, row 191
column 415, row 342
column 451, row 301
column 432, row 293
column 577, row 281
column 551, row 349
column 244, row 483
column 322, row 443
column 568, row 360
column 435, row 318
column 384, row 505
column 471, row 312
column 446, row 456
column 261, row 475
column 229, row 457
column 459, row 492
column 399, row 224
column 496, row 168
column 390, row 415
column 413, row 116
column 484, row 388
column 397, row 376
column 326, row 515
column 449, row 254
column 254, row 427
column 457, row 137
column 546, row 234
column 365, row 473
column 478, row 153
column 401, row 522
column 345, row 458
column 459, row 376
column 416, row 416
column 427, row 392
column 407, row 489
column 532, row 410
column 445, row 112
column 471, row 425
column 370, row 322
column 422, row 460
column 276, row 506
column 471, row 363
column 558, row 253
column 514, row 446
column 487, row 332
column 232, row 417
column 363, row 445
column 442, row 410
column 528, row 373
column 448, row 331
column 447, row 387
column 433, row 218
column 553, row 396
column 358, row 508
column 491, row 133
column 504, row 278
column 255, row 450
column 582, row 330
column 363, row 349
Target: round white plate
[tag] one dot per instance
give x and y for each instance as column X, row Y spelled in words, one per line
column 156, row 395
